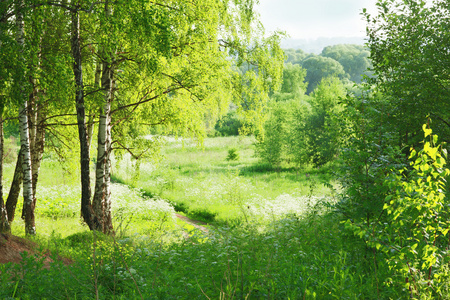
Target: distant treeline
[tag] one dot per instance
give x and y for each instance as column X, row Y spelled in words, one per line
column 302, row 74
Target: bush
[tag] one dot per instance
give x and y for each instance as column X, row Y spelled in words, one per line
column 284, row 138
column 366, row 157
column 233, row 155
column 418, row 222
column 413, row 234
column 322, row 130
column 229, row 124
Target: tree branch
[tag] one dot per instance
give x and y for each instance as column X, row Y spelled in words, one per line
column 129, row 150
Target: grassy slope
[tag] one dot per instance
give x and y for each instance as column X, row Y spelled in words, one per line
column 278, row 248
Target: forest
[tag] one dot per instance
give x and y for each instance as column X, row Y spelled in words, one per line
column 173, row 150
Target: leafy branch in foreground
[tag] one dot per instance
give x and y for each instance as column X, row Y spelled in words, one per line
column 414, row 233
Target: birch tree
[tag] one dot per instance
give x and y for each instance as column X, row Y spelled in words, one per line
column 172, row 63
column 23, row 60
column 20, row 84
column 86, row 207
column 149, row 62
column 102, row 196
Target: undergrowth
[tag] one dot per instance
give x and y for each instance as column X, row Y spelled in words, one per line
column 290, row 258
column 275, row 235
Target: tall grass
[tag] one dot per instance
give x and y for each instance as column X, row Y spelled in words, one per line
column 275, row 235
column 290, row 259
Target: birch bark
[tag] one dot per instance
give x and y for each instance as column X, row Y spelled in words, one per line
column 28, row 203
column 86, row 207
column 102, row 196
column 37, row 150
column 102, row 200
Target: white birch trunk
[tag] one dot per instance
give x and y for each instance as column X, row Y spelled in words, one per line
column 107, row 190
column 102, row 195
column 32, row 118
column 31, row 115
column 101, row 202
column 98, row 201
column 24, row 132
column 28, row 203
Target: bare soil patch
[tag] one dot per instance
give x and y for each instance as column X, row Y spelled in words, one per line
column 197, row 224
column 12, row 246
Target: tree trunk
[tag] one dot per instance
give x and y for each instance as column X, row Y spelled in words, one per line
column 102, row 196
column 4, row 224
column 101, row 202
column 108, row 214
column 28, row 203
column 32, row 118
column 91, row 118
column 38, row 143
column 14, row 191
column 86, row 207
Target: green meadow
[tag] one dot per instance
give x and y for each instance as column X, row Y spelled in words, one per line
column 271, row 233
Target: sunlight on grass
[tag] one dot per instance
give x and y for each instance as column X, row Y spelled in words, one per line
column 271, row 235
column 48, row 226
column 202, row 183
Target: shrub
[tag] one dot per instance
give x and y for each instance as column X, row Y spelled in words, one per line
column 284, row 138
column 418, row 221
column 229, row 124
column 414, row 233
column 322, row 130
column 366, row 156
column 233, row 155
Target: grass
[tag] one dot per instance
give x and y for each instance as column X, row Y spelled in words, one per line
column 274, row 235
column 202, row 183
column 290, row 259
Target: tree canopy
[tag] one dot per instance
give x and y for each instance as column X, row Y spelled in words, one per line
column 319, row 67
column 354, row 59
column 408, row 44
column 122, row 67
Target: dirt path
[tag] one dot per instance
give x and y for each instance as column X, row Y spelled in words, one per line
column 197, row 224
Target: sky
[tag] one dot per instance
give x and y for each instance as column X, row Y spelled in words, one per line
column 312, row 19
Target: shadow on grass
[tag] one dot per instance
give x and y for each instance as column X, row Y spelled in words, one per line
column 322, row 174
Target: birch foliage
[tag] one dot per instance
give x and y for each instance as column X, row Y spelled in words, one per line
column 169, row 63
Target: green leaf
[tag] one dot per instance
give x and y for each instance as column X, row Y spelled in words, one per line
column 426, row 130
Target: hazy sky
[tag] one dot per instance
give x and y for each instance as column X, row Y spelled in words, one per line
column 310, row 19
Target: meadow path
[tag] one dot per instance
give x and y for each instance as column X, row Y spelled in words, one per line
column 197, row 224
